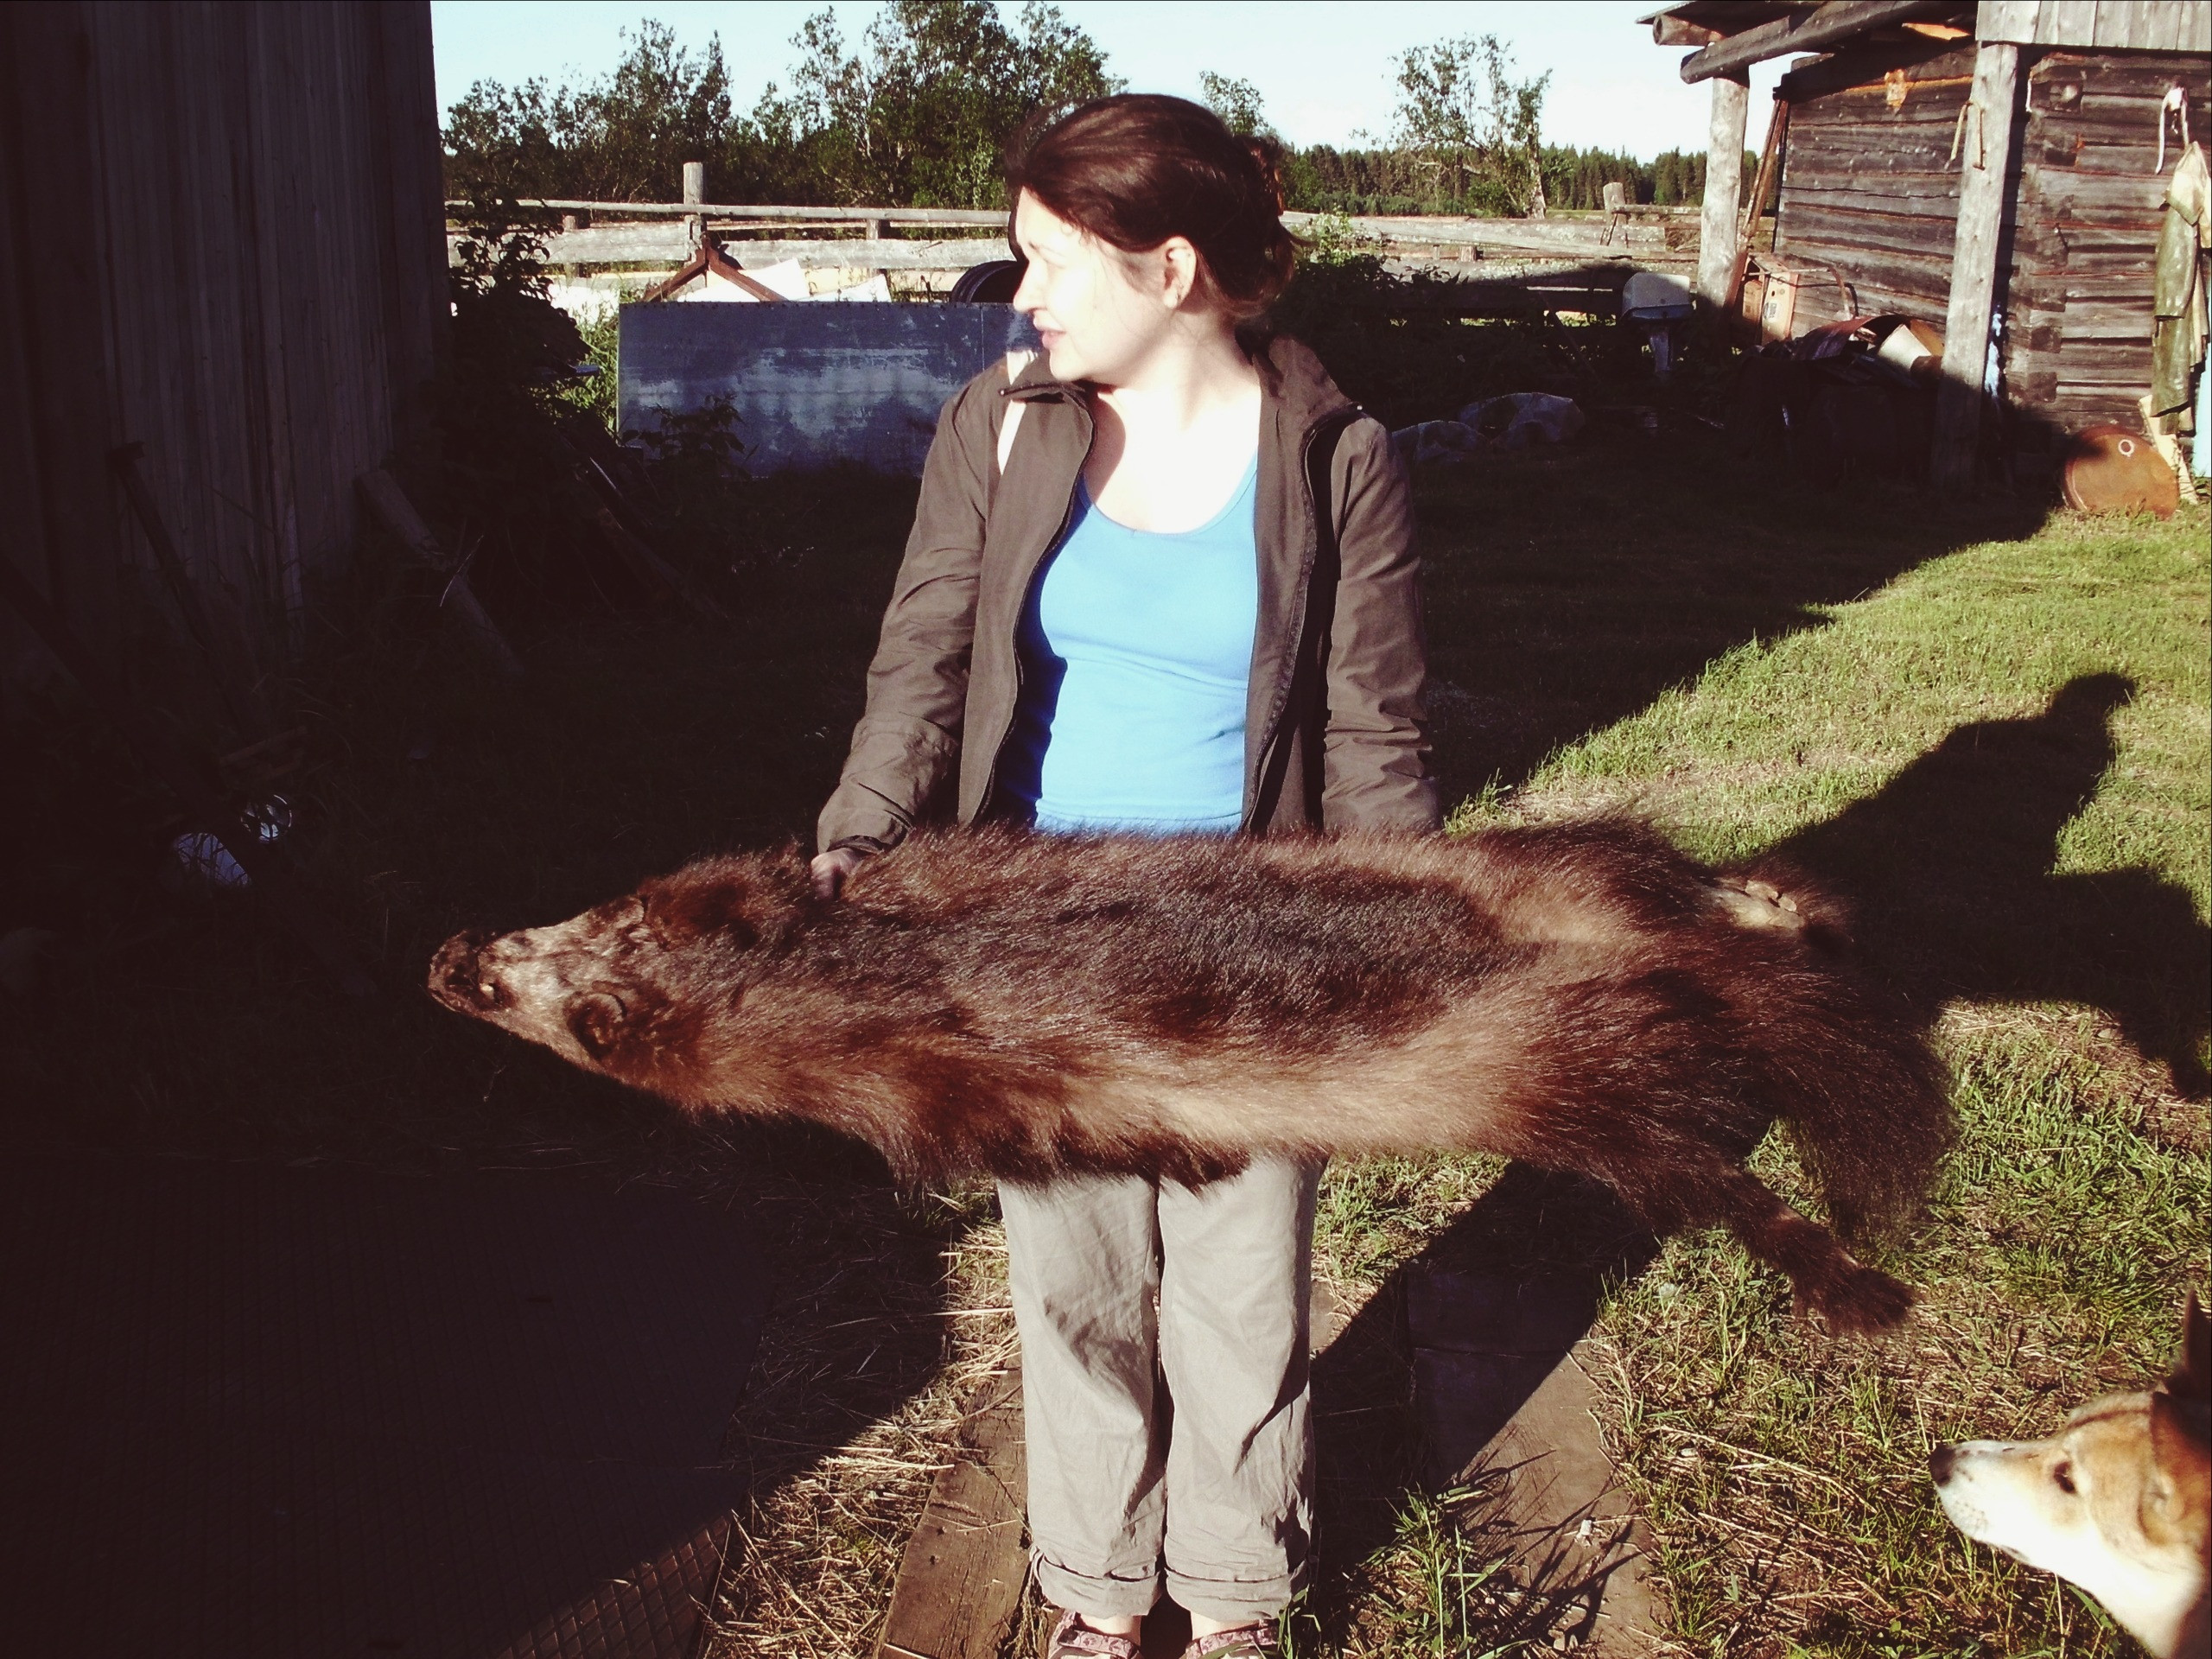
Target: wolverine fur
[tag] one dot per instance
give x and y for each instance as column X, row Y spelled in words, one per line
column 1582, row 997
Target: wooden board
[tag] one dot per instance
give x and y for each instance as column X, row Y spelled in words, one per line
column 960, row 1582
column 2136, row 25
column 1504, row 1406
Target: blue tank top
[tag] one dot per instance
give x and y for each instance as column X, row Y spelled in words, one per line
column 1136, row 652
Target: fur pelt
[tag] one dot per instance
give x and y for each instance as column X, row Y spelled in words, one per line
column 1583, row 997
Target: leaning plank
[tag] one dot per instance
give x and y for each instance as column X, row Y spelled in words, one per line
column 390, row 503
column 960, row 1584
column 1985, row 175
column 224, row 654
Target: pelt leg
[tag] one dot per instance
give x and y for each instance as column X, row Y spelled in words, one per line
column 1826, row 1276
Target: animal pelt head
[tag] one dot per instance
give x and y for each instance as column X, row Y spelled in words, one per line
column 627, row 988
column 2118, row 1502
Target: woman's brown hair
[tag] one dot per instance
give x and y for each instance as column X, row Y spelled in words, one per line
column 1138, row 167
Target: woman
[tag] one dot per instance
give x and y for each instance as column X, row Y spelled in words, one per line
column 1187, row 604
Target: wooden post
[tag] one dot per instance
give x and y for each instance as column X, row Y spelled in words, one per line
column 695, row 194
column 1777, row 134
column 1984, row 155
column 1724, row 186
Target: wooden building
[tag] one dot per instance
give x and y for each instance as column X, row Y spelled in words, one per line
column 1998, row 171
column 221, row 238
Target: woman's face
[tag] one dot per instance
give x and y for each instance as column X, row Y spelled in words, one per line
column 1099, row 312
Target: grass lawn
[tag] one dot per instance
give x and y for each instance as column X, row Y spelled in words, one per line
column 1991, row 730
column 1995, row 737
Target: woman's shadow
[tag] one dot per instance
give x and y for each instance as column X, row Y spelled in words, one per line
column 1950, row 871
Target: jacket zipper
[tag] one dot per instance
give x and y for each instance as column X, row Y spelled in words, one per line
column 1344, row 415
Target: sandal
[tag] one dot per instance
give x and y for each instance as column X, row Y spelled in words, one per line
column 1253, row 1641
column 1073, row 1639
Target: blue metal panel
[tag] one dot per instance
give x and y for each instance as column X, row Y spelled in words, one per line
column 813, row 385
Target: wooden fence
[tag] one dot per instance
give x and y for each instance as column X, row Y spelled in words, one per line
column 598, row 234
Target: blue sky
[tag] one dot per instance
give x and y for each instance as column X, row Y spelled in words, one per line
column 1322, row 65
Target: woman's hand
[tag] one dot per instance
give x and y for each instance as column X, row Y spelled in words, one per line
column 830, row 870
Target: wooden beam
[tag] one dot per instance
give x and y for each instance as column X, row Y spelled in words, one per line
column 959, row 1585
column 1804, row 31
column 1724, row 189
column 1667, row 29
column 759, row 210
column 381, row 490
column 1984, row 185
column 1777, row 132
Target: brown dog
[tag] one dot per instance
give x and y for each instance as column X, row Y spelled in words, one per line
column 1583, row 997
column 2120, row 1501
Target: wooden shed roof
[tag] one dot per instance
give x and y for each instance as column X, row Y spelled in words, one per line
column 1732, row 35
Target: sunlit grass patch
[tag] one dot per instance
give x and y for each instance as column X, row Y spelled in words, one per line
column 2003, row 752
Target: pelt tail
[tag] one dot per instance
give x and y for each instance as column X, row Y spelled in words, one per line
column 1847, row 1064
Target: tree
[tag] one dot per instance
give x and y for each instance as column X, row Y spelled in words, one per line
column 920, row 117
column 923, row 114
column 1237, row 102
column 1464, row 116
column 624, row 137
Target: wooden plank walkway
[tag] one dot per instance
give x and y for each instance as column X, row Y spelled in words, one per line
column 960, row 1583
column 1504, row 1405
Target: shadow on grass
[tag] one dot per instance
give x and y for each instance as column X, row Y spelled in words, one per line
column 1500, row 1296
column 1950, row 867
column 1566, row 589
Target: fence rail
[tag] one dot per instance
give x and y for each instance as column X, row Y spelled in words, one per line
column 660, row 233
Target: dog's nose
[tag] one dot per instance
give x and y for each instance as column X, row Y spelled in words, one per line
column 1940, row 1462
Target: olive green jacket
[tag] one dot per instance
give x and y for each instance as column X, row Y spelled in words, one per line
column 1334, row 735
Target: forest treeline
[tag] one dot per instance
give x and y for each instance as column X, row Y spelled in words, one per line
column 921, row 112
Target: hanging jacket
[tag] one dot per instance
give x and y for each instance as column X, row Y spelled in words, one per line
column 1333, row 735
column 2177, row 335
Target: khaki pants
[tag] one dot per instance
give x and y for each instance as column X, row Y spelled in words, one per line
column 1225, row 1499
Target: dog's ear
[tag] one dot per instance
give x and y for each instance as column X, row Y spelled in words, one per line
column 596, row 1021
column 2192, row 1376
column 2181, row 1448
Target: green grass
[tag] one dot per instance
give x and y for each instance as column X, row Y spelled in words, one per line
column 1995, row 736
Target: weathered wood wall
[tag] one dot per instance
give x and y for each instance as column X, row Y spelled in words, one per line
column 2090, row 200
column 1870, row 187
column 220, row 235
column 2115, row 25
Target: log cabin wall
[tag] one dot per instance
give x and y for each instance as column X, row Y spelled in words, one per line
column 1869, row 191
column 222, row 236
column 2090, row 200
column 1870, row 188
